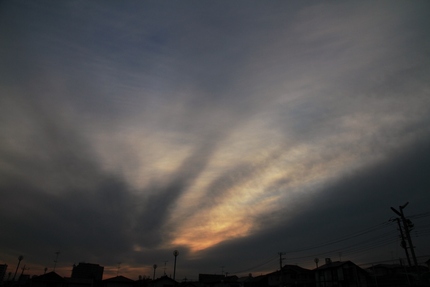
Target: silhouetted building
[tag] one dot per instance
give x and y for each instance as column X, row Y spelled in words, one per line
column 211, row 278
column 216, row 280
column 249, row 281
column 392, row 275
column 87, row 271
column 341, row 273
column 81, row 282
column 24, row 280
column 163, row 281
column 3, row 268
column 118, row 281
column 50, row 279
column 291, row 275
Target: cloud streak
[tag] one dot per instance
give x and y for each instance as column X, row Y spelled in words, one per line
column 132, row 130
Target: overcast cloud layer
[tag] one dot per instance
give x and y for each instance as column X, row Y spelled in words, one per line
column 228, row 130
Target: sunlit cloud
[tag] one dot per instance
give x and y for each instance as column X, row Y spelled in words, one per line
column 154, row 128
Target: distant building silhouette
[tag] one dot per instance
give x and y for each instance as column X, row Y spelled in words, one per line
column 118, row 281
column 163, row 281
column 249, row 281
column 50, row 279
column 390, row 275
column 211, row 279
column 87, row 271
column 341, row 273
column 216, row 280
column 291, row 275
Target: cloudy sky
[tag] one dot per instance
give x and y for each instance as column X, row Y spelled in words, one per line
column 228, row 130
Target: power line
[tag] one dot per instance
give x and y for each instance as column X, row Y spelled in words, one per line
column 343, row 238
column 362, row 246
column 256, row 266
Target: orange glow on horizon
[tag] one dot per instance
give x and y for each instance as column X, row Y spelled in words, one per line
column 215, row 232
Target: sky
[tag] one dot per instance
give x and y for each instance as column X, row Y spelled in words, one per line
column 230, row 131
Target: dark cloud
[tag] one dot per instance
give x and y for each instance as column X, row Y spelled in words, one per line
column 356, row 202
column 130, row 130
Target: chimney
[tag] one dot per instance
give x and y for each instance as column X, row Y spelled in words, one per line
column 327, row 261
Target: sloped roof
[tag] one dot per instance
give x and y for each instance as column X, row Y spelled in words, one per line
column 164, row 278
column 50, row 276
column 334, row 264
column 295, row 268
column 119, row 278
column 388, row 266
column 255, row 279
column 210, row 278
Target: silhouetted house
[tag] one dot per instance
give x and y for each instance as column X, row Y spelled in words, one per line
column 210, row 279
column 389, row 275
column 163, row 281
column 82, row 282
column 291, row 275
column 50, row 279
column 259, row 281
column 341, row 273
column 216, row 280
column 396, row 275
column 87, row 271
column 118, row 281
column 231, row 281
column 24, row 280
column 143, row 281
column 385, row 269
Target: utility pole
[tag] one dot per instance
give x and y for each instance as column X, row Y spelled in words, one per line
column 280, row 259
column 407, row 225
column 403, row 242
column 23, row 269
column 19, row 262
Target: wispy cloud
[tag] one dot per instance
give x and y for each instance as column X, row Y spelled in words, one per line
column 141, row 128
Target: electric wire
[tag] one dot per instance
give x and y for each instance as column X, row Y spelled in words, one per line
column 342, row 238
column 256, row 266
column 362, row 246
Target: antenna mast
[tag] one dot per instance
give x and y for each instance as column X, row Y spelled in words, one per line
column 56, row 259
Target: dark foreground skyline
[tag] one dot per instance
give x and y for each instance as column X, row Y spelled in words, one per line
column 227, row 130
column 360, row 244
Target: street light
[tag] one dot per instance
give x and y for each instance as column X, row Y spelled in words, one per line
column 155, row 267
column 175, row 253
column 316, row 260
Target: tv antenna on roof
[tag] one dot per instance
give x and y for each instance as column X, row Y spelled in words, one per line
column 165, row 267
column 56, row 259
